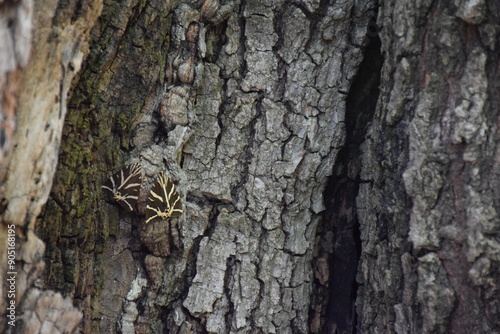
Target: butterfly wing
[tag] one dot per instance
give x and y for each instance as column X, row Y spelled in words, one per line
column 110, row 185
column 174, row 200
column 156, row 202
column 164, row 201
column 125, row 185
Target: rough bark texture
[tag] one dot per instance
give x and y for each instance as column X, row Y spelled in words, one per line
column 336, row 176
column 243, row 104
column 429, row 211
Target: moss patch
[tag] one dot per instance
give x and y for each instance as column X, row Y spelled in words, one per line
column 114, row 82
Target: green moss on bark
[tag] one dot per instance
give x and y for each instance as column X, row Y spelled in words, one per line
column 114, row 82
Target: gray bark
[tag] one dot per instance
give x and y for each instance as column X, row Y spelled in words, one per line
column 429, row 213
column 336, row 174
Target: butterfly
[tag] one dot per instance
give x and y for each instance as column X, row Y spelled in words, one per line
column 164, row 201
column 124, row 186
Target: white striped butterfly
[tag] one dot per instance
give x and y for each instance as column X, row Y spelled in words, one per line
column 124, row 186
column 164, row 201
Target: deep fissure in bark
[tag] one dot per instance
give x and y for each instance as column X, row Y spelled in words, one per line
column 340, row 244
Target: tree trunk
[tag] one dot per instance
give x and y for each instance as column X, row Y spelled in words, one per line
column 336, row 164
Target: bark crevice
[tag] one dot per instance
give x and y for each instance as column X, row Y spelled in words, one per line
column 339, row 249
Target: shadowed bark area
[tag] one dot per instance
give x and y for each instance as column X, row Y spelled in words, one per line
column 429, row 215
column 336, row 175
column 122, row 76
column 339, row 245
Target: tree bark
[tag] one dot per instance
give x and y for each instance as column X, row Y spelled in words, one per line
column 429, row 213
column 34, row 91
column 336, row 163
